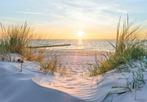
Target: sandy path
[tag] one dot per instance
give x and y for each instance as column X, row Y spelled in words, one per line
column 77, row 83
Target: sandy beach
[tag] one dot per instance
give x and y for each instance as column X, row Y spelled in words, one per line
column 32, row 85
column 75, row 85
column 73, row 51
column 16, row 87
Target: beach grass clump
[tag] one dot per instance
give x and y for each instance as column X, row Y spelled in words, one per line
column 137, row 80
column 15, row 39
column 127, row 47
column 50, row 66
column 37, row 55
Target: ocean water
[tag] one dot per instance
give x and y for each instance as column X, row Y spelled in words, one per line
column 98, row 45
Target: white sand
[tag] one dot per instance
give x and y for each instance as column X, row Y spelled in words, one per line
column 32, row 86
column 96, row 89
column 18, row 86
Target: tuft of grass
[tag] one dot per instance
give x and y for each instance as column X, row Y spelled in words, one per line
column 137, row 80
column 37, row 55
column 50, row 66
column 15, row 39
column 127, row 47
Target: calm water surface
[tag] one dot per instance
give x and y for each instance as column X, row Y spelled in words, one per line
column 100, row 45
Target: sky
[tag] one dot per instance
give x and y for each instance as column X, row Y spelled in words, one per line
column 64, row 19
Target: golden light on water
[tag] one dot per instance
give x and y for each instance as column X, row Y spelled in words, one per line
column 80, row 36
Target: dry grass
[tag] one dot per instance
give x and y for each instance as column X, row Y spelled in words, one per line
column 35, row 55
column 15, row 39
column 128, row 47
column 52, row 65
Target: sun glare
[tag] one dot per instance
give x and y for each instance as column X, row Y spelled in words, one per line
column 80, row 33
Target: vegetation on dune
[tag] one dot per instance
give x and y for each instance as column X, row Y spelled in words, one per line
column 37, row 55
column 137, row 80
column 49, row 66
column 127, row 47
column 15, row 39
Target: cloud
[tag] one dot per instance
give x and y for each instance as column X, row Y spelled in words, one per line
column 96, row 12
column 31, row 13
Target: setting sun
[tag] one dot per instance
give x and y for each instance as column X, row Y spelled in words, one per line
column 80, row 33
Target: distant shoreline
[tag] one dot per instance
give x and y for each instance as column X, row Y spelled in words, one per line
column 76, row 52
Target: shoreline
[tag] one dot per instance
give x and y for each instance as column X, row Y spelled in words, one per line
column 80, row 52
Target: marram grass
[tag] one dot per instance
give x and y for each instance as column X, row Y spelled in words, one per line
column 15, row 39
column 127, row 47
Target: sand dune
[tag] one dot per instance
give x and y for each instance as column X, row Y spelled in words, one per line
column 33, row 86
column 19, row 87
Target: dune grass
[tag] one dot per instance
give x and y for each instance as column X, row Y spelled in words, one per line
column 127, row 47
column 50, row 66
column 15, row 39
column 37, row 55
column 137, row 81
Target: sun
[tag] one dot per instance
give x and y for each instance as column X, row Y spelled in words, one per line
column 80, row 33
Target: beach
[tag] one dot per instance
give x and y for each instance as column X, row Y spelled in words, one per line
column 75, row 86
column 73, row 51
column 16, row 87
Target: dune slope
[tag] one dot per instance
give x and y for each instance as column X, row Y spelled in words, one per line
column 19, row 87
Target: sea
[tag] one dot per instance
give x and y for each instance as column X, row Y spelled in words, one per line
column 76, row 44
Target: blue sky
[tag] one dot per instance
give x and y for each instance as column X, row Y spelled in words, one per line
column 74, row 14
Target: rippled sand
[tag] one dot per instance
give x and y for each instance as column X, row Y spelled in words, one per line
column 77, row 83
column 78, row 86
